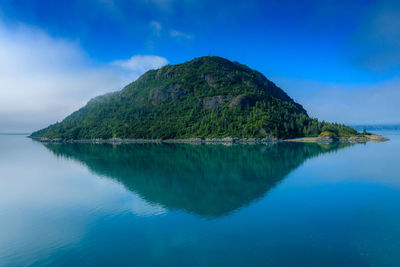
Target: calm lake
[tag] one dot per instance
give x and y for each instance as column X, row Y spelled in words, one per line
column 285, row 204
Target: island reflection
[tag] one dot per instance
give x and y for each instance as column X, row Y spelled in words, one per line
column 207, row 180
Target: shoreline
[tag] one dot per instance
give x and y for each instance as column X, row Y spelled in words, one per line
column 351, row 139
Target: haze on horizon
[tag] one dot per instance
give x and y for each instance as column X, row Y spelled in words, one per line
column 339, row 59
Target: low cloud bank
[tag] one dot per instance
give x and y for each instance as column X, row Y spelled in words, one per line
column 43, row 79
column 351, row 104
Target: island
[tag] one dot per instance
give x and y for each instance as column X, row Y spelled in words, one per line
column 208, row 99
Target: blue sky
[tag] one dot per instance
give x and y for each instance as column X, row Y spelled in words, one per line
column 340, row 59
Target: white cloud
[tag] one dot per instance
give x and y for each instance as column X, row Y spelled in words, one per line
column 138, row 64
column 178, row 34
column 43, row 79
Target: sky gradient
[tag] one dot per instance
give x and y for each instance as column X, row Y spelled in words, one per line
column 339, row 59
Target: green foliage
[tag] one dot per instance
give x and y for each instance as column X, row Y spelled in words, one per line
column 208, row 97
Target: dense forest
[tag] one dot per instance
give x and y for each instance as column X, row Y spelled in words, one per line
column 208, row 97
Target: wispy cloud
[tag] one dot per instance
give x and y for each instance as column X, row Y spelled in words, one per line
column 139, row 64
column 180, row 35
column 156, row 27
column 43, row 79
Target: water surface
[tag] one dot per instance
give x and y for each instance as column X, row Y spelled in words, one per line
column 286, row 204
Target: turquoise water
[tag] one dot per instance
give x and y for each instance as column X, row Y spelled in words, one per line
column 287, row 204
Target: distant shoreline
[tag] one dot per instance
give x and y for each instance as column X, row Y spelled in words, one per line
column 351, row 139
column 14, row 133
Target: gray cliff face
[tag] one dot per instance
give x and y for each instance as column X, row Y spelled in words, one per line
column 215, row 101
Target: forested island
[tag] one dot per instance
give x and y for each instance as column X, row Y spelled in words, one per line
column 207, row 98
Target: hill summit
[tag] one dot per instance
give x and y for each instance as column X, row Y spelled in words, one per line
column 207, row 97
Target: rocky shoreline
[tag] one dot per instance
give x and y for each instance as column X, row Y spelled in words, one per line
column 350, row 139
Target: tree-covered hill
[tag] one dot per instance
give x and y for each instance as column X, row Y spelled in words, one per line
column 208, row 97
